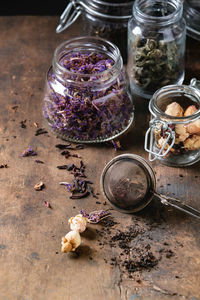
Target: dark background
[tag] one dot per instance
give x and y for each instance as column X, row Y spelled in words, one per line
column 29, row 7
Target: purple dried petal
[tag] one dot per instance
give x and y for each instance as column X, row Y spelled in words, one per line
column 95, row 216
column 29, row 152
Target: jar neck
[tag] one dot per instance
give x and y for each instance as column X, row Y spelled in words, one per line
column 108, row 8
column 158, row 12
column 87, row 45
column 165, row 96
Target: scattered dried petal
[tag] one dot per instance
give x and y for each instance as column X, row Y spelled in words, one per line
column 47, row 204
column 95, row 216
column 39, row 186
column 29, row 152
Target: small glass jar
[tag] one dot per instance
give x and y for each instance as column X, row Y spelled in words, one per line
column 173, row 137
column 156, row 45
column 107, row 19
column 86, row 97
column 191, row 13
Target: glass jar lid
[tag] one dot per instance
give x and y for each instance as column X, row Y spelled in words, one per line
column 191, row 11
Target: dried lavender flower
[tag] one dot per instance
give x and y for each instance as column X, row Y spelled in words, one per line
column 95, row 216
column 29, row 152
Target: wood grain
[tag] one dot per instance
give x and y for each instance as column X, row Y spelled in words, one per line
column 32, row 266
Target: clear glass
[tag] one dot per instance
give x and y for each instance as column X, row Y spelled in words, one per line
column 107, row 19
column 175, row 113
column 192, row 17
column 156, row 45
column 103, row 25
column 83, row 106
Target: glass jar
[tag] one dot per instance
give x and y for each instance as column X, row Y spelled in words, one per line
column 173, row 137
column 86, row 97
column 156, row 45
column 107, row 19
column 192, row 17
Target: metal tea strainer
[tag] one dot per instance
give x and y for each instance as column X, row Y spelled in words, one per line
column 128, row 182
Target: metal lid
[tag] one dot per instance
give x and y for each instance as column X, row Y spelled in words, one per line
column 128, row 183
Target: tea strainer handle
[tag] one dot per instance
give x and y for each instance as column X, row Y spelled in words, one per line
column 178, row 204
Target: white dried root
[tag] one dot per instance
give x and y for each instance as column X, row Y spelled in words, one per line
column 70, row 241
column 181, row 133
column 190, row 110
column 193, row 127
column 78, row 223
column 193, row 142
column 160, row 144
column 174, row 109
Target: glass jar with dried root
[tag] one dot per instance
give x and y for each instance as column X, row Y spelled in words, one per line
column 173, row 137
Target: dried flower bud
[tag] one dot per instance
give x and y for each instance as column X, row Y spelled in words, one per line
column 71, row 241
column 174, row 109
column 78, row 223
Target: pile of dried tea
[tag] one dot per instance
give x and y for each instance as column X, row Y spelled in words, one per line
column 85, row 105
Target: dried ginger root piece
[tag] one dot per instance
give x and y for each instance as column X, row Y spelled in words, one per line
column 193, row 127
column 190, row 110
column 193, row 142
column 174, row 109
column 70, row 241
column 181, row 133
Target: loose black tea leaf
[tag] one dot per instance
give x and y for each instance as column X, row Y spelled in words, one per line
column 39, row 161
column 3, row 166
column 23, row 124
column 15, row 108
column 40, row 131
column 62, row 147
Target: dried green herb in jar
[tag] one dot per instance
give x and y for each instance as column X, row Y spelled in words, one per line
column 155, row 63
column 156, row 38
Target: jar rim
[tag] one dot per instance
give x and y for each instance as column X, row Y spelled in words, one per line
column 91, row 40
column 171, row 89
column 172, row 17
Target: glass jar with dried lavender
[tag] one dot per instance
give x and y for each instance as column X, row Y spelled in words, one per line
column 156, row 37
column 107, row 19
column 173, row 137
column 86, row 97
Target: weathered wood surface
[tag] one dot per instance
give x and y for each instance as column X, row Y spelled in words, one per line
column 31, row 264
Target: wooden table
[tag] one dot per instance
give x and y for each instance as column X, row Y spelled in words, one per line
column 32, row 266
